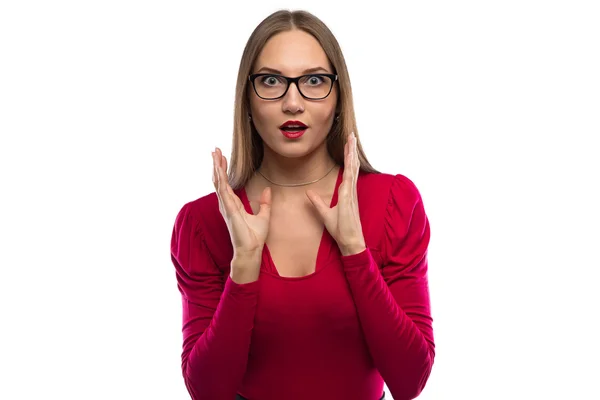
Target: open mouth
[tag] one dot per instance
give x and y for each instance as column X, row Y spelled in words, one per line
column 293, row 126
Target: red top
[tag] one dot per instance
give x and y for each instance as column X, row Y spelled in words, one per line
column 337, row 333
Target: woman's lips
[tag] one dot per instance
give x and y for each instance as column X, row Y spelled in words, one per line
column 293, row 134
column 293, row 124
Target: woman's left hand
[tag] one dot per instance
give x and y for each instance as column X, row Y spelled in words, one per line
column 343, row 220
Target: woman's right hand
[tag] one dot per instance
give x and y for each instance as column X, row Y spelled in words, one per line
column 248, row 232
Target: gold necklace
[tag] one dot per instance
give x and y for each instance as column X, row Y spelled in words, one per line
column 297, row 184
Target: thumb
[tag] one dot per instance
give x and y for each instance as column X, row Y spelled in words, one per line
column 265, row 202
column 318, row 203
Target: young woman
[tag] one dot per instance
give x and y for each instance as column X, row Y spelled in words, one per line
column 304, row 275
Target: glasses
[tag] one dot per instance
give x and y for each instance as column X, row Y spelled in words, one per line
column 274, row 86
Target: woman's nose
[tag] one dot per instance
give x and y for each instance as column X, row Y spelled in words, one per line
column 293, row 99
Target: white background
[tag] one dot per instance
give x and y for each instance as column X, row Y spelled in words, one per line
column 108, row 114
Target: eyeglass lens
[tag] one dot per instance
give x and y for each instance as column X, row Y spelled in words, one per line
column 273, row 86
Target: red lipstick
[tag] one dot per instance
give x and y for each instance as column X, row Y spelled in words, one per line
column 293, row 129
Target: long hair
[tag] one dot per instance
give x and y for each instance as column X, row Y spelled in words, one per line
column 247, row 146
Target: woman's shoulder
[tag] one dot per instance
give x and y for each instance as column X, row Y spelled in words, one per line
column 380, row 193
column 203, row 213
column 204, row 209
column 384, row 183
column 387, row 202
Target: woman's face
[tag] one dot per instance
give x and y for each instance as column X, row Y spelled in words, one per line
column 291, row 54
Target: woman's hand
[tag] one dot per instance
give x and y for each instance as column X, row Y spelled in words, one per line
column 343, row 220
column 248, row 232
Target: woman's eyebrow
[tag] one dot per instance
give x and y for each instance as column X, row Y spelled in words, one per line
column 306, row 71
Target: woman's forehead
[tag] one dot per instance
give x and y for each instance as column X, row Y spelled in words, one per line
column 292, row 52
column 311, row 70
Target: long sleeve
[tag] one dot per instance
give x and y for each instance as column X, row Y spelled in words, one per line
column 218, row 315
column 393, row 305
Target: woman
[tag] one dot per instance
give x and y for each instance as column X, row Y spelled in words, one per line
column 304, row 275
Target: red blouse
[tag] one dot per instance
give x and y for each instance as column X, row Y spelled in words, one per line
column 337, row 333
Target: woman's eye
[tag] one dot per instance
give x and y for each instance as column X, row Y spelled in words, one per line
column 315, row 80
column 270, row 80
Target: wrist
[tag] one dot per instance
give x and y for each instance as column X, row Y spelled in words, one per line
column 247, row 256
column 242, row 277
column 245, row 266
column 352, row 249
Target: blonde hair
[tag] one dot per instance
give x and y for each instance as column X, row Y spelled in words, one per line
column 247, row 146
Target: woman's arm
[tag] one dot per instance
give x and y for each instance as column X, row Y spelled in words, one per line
column 218, row 315
column 393, row 305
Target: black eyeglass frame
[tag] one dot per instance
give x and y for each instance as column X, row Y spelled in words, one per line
column 295, row 80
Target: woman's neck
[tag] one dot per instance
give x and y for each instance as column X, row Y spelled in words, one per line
column 289, row 171
column 317, row 166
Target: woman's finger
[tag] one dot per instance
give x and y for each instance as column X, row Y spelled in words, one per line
column 348, row 167
column 231, row 201
column 349, row 179
column 355, row 160
column 346, row 151
column 224, row 196
column 355, row 169
column 216, row 182
column 236, row 200
column 214, row 171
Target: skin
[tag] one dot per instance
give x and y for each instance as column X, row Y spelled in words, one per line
column 293, row 161
column 305, row 159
